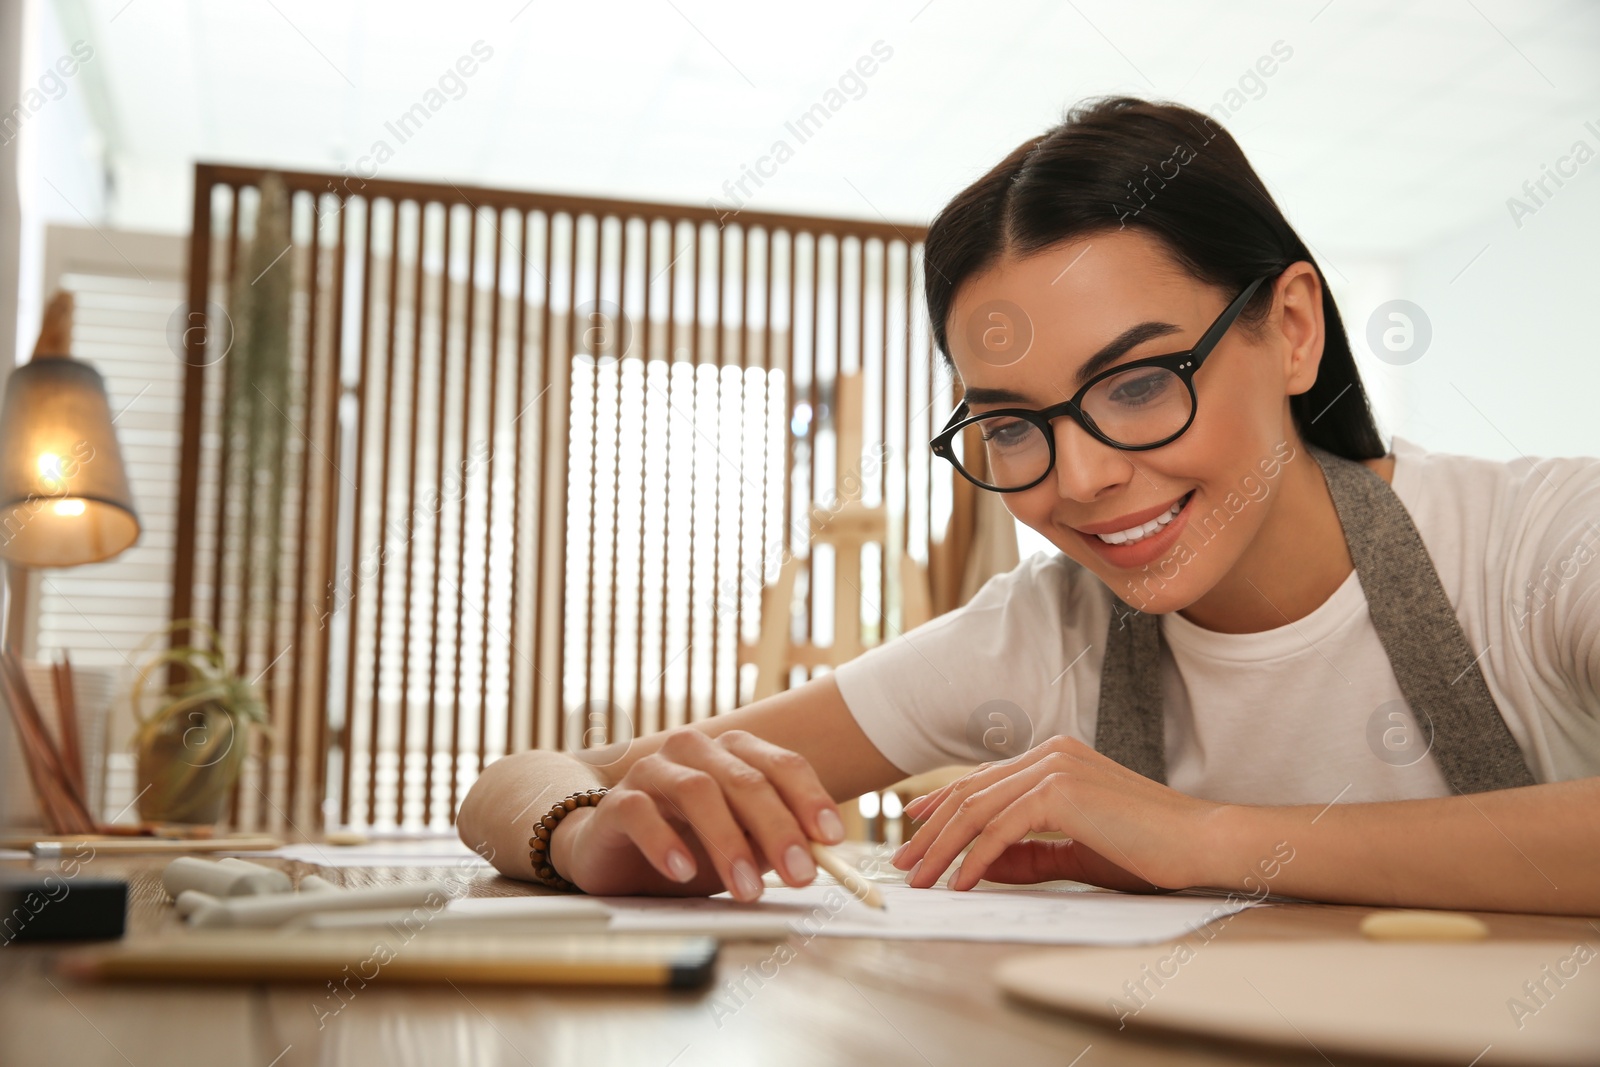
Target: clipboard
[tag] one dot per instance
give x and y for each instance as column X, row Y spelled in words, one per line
column 583, row 959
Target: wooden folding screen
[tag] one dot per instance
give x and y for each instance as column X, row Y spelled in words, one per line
column 543, row 452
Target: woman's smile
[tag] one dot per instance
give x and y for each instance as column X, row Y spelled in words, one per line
column 1126, row 544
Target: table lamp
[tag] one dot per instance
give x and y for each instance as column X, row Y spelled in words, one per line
column 63, row 487
column 64, row 497
column 64, row 501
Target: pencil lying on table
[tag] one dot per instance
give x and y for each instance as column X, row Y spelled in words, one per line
column 133, row 845
column 848, row 876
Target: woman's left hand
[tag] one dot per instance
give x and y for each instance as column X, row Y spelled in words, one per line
column 1127, row 832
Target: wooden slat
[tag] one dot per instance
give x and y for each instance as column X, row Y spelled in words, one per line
column 364, row 381
column 493, row 403
column 224, row 436
column 225, row 459
column 194, row 379
column 667, row 466
column 615, row 333
column 440, row 415
column 520, row 354
column 541, row 493
column 695, row 266
column 814, row 400
column 759, row 568
column 905, row 397
column 589, row 355
column 884, row 432
column 303, row 545
column 560, row 497
column 331, row 493
column 470, row 312
column 645, row 338
column 744, row 433
column 414, row 442
column 385, row 457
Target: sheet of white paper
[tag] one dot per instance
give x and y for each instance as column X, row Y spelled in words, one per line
column 1051, row 914
column 399, row 852
column 531, row 907
column 1032, row 916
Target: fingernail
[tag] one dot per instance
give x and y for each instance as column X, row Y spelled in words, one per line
column 799, row 863
column 911, row 875
column 901, row 851
column 832, row 828
column 746, row 882
column 917, row 801
column 680, row 866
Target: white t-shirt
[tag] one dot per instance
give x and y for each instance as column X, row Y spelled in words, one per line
column 1301, row 714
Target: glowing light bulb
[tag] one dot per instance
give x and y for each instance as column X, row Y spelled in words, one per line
column 50, row 468
column 69, row 507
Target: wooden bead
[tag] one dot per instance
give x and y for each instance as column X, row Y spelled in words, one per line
column 544, row 829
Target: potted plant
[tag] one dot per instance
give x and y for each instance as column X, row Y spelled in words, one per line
column 192, row 745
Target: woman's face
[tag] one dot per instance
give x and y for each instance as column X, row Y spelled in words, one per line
column 1073, row 300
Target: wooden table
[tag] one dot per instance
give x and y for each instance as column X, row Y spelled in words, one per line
column 838, row 1000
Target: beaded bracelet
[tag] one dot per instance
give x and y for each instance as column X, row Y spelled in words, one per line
column 539, row 844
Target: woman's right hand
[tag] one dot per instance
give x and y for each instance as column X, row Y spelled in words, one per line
column 698, row 815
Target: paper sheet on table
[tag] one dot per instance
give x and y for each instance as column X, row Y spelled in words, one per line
column 984, row 913
column 989, row 912
column 392, row 852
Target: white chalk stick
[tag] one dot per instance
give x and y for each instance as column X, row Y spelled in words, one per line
column 208, row 876
column 280, row 882
column 192, row 900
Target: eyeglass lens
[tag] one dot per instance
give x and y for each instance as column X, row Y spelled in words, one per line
column 1140, row 407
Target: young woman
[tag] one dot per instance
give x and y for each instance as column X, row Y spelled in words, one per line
column 1264, row 636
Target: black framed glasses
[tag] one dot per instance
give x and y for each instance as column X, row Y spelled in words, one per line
column 1133, row 406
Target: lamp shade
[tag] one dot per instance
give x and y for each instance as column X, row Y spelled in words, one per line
column 64, row 496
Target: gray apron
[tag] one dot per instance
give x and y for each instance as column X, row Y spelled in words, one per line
column 1436, row 668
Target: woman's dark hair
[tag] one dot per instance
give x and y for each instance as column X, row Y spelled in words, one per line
column 1109, row 165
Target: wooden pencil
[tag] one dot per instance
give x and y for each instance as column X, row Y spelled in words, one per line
column 159, row 846
column 848, row 876
column 67, row 718
column 577, row 959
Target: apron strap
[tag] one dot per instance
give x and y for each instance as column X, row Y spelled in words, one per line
column 1418, row 628
column 1130, row 725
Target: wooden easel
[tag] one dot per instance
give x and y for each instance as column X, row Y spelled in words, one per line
column 847, row 526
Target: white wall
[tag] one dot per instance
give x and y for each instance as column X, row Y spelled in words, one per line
column 62, row 176
column 1514, row 366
